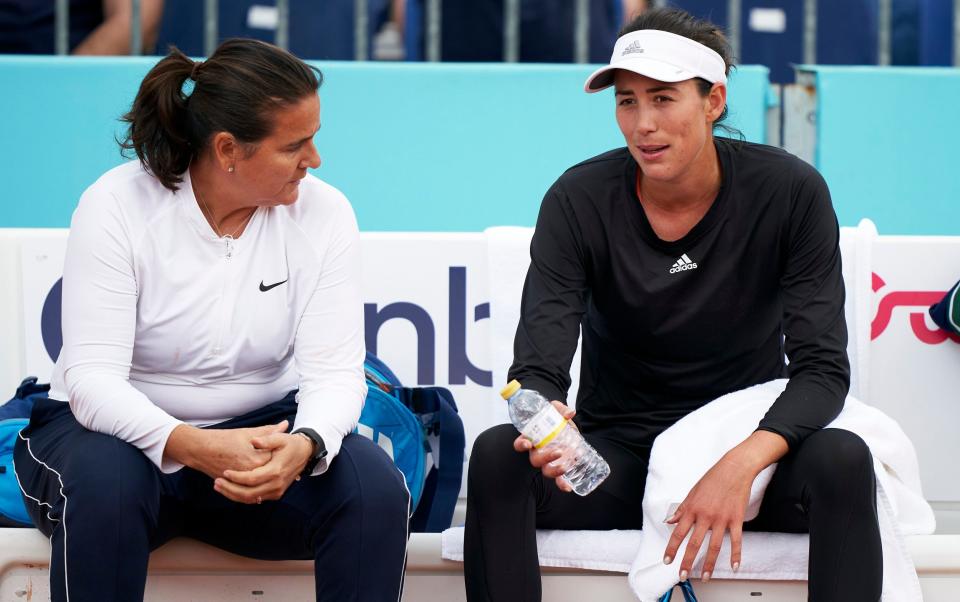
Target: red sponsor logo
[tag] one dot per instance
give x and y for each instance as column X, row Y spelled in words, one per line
column 917, row 299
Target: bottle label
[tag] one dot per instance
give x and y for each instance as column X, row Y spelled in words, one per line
column 543, row 427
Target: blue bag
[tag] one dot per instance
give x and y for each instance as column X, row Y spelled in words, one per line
column 436, row 435
column 445, row 441
column 14, row 416
column 392, row 426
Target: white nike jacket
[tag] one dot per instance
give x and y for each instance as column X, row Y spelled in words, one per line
column 164, row 322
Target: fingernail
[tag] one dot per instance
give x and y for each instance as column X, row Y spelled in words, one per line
column 736, row 567
column 667, row 560
column 683, row 575
column 705, row 576
column 669, row 518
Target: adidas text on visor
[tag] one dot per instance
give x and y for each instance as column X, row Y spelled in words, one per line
column 662, row 56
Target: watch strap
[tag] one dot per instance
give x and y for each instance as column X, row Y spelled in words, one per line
column 319, row 450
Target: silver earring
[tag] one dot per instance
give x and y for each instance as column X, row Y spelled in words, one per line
column 230, row 169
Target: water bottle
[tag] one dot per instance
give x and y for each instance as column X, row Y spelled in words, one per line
column 541, row 423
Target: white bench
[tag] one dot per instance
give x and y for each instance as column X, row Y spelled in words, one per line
column 186, row 569
column 448, row 276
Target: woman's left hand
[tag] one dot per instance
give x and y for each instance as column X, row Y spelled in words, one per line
column 718, row 502
column 715, row 505
column 290, row 454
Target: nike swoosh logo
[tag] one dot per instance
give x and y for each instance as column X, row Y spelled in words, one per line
column 270, row 286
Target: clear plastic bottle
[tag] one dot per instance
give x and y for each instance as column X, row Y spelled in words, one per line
column 541, row 423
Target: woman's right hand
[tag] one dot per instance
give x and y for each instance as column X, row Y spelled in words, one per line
column 214, row 451
column 549, row 460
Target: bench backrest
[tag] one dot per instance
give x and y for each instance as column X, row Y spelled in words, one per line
column 432, row 314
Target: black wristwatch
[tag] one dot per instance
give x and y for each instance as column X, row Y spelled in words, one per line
column 319, row 450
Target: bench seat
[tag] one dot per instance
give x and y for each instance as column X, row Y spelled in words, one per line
column 186, row 567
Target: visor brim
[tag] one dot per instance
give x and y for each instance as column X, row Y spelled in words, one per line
column 602, row 78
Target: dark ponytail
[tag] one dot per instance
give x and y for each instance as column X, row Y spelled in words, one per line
column 182, row 103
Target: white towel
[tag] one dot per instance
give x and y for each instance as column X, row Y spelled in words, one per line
column 508, row 257
column 725, row 422
column 856, row 248
column 616, row 550
column 594, row 550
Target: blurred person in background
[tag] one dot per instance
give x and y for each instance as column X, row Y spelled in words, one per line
column 474, row 31
column 96, row 27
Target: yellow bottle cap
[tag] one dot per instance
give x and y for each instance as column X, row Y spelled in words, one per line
column 511, row 388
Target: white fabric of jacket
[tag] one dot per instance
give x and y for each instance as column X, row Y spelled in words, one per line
column 164, row 322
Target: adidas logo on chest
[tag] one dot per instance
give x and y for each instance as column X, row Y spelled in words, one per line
column 683, row 264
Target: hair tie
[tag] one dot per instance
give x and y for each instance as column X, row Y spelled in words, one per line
column 186, row 89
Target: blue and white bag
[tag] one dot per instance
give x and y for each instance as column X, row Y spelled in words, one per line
column 420, row 429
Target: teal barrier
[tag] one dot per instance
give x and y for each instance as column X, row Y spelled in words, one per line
column 886, row 145
column 443, row 147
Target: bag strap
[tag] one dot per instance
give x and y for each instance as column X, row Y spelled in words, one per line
column 379, row 373
column 685, row 588
column 29, row 386
column 442, row 487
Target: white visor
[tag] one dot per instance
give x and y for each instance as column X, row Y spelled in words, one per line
column 662, row 56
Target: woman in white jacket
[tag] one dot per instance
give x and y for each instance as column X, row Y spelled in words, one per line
column 211, row 372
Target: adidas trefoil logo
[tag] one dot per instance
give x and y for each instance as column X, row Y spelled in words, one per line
column 633, row 48
column 683, row 264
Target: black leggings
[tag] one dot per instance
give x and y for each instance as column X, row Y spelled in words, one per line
column 825, row 487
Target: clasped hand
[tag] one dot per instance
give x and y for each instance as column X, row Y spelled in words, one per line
column 248, row 465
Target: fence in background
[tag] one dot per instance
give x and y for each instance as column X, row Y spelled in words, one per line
column 754, row 28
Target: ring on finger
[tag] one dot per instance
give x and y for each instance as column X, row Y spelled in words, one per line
column 259, row 500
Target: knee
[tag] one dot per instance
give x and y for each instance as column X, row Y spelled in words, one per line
column 494, row 441
column 840, row 464
column 378, row 486
column 494, row 462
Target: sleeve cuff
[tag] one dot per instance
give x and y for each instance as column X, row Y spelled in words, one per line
column 156, row 453
column 792, row 440
column 332, row 439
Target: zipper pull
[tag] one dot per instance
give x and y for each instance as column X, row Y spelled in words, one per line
column 229, row 240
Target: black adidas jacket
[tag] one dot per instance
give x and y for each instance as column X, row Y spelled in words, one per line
column 669, row 326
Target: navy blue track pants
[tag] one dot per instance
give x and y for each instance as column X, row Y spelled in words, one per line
column 105, row 506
